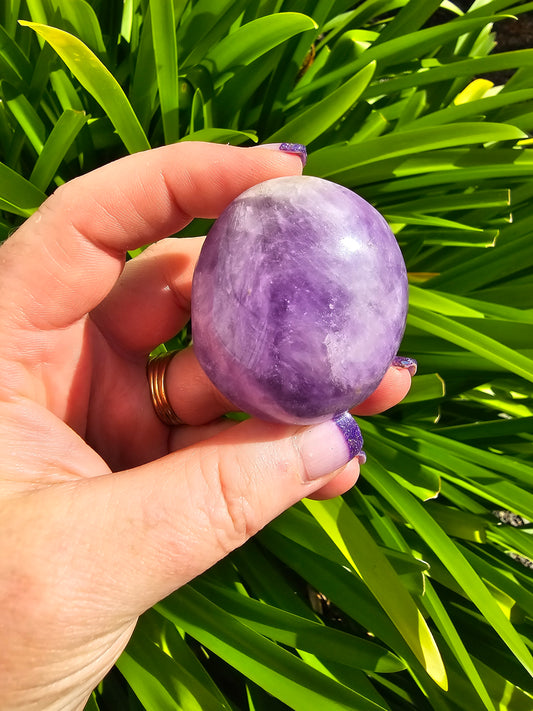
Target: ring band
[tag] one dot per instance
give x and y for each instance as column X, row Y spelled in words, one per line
column 156, row 370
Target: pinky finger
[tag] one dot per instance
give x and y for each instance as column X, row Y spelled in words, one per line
column 392, row 389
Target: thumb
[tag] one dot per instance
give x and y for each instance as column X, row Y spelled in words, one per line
column 159, row 525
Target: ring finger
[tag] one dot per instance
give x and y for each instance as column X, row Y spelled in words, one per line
column 151, row 300
column 149, row 304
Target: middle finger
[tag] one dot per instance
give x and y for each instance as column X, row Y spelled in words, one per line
column 151, row 301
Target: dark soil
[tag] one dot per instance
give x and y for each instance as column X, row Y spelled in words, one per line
column 511, row 34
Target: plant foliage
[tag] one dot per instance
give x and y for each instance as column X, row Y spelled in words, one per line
column 413, row 591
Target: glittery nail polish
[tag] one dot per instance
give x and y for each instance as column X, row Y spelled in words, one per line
column 296, row 148
column 405, row 362
column 330, row 445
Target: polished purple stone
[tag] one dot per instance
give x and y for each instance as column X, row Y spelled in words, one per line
column 299, row 300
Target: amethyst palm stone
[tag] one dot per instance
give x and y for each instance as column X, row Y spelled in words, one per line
column 299, row 300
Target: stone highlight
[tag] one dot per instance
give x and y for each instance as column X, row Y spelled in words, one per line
column 299, row 300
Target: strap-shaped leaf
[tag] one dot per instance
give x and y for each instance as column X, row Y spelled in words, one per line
column 161, row 681
column 68, row 125
column 13, row 59
column 98, row 81
column 363, row 553
column 451, row 635
column 428, row 529
column 221, row 135
column 464, row 68
column 254, row 39
column 471, row 340
column 84, row 21
column 28, row 119
column 325, row 642
column 329, row 162
column 317, row 119
column 268, row 665
column 402, row 49
column 18, row 195
column 166, row 62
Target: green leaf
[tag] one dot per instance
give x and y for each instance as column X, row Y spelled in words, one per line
column 401, row 49
column 342, row 587
column 441, row 303
column 334, row 160
column 317, row 119
column 421, row 479
column 492, row 570
column 28, row 119
column 92, row 704
column 458, row 523
column 471, row 340
column 84, row 21
column 473, row 108
column 425, row 387
column 455, row 201
column 266, row 581
column 221, row 135
column 294, row 631
column 360, row 549
column 157, row 680
column 205, row 25
column 166, row 60
column 411, row 17
column 174, row 643
column 98, row 81
column 444, row 548
column 262, row 661
column 57, row 144
column 437, row 610
column 511, row 255
column 252, row 40
column 18, row 195
column 466, row 68
column 65, row 91
column 13, row 60
column 489, row 430
column 143, row 92
column 298, row 526
column 481, row 464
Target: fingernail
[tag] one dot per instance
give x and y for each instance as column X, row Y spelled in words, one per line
column 405, row 362
column 295, row 148
column 330, row 445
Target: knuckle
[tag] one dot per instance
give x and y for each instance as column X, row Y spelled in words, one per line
column 219, row 515
column 233, row 516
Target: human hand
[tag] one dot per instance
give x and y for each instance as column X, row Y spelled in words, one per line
column 103, row 509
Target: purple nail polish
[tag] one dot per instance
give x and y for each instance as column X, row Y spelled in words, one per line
column 329, row 445
column 352, row 434
column 405, row 362
column 296, row 148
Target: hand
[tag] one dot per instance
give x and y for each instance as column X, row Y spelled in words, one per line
column 103, row 509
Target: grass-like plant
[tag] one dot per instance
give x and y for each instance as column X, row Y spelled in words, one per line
column 413, row 591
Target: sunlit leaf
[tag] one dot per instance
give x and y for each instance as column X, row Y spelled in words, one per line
column 361, row 551
column 98, row 81
column 317, row 119
column 56, row 146
column 254, row 39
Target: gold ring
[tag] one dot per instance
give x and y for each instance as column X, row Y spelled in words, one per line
column 156, row 370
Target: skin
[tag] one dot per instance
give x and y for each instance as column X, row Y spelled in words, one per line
column 103, row 509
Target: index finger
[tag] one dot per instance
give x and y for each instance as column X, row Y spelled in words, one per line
column 65, row 259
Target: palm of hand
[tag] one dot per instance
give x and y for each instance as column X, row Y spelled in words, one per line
column 87, row 546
